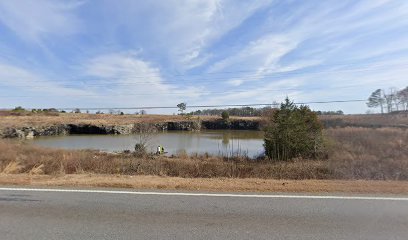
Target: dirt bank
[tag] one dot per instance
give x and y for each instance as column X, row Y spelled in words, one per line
column 205, row 184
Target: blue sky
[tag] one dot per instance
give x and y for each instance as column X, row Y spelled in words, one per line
column 127, row 53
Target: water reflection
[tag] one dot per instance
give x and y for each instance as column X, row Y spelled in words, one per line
column 219, row 142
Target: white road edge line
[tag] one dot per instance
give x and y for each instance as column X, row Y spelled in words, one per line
column 208, row 194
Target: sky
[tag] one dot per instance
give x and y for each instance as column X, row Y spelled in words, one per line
column 126, row 53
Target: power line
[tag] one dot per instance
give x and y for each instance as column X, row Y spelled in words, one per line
column 180, row 92
column 213, row 106
column 176, row 93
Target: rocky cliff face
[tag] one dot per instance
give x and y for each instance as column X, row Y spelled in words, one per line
column 234, row 125
column 31, row 132
column 100, row 129
column 184, row 126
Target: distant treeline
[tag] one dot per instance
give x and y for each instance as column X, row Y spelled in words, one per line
column 241, row 112
column 250, row 112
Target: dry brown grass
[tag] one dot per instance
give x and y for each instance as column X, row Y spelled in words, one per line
column 366, row 120
column 361, row 153
column 23, row 158
column 208, row 184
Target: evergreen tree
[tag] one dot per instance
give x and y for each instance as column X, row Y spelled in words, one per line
column 293, row 132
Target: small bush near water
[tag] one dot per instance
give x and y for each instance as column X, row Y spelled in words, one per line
column 140, row 150
column 225, row 116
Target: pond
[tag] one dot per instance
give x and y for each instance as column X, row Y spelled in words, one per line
column 215, row 142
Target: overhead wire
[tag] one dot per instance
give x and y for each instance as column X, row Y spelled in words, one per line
column 208, row 106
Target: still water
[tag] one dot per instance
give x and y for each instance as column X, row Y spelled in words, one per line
column 216, row 142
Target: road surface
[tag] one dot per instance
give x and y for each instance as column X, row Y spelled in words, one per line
column 39, row 214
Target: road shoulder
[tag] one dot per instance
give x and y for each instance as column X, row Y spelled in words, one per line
column 207, row 184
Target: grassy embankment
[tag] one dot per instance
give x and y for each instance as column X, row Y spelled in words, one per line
column 354, row 154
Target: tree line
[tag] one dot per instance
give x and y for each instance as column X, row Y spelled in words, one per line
column 251, row 112
column 393, row 100
column 241, row 112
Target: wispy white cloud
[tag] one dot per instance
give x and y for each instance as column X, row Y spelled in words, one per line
column 261, row 53
column 263, row 56
column 31, row 89
column 184, row 30
column 318, row 37
column 118, row 79
column 33, row 20
column 135, row 81
column 201, row 22
column 266, row 93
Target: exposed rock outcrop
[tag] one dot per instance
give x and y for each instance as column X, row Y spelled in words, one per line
column 31, row 132
column 233, row 124
column 184, row 126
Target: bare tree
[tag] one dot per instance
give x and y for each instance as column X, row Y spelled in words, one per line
column 403, row 98
column 376, row 99
column 389, row 100
column 394, row 98
column 145, row 133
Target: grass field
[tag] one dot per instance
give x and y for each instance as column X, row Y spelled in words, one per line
column 366, row 120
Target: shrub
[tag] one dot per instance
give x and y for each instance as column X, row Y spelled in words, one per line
column 140, row 150
column 225, row 115
column 293, row 132
column 19, row 109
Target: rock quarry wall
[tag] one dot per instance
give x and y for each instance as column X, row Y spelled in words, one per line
column 66, row 129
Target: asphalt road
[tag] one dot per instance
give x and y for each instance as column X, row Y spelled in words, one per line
column 104, row 215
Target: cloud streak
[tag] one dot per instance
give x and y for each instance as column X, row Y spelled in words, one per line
column 35, row 20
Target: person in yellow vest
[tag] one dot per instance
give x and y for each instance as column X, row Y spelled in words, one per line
column 162, row 150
